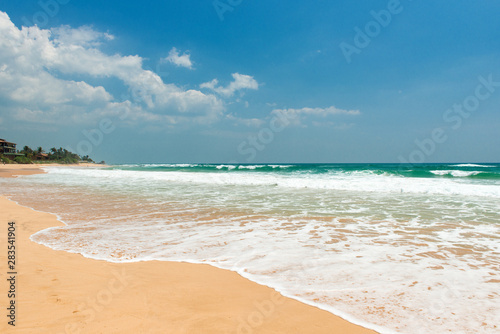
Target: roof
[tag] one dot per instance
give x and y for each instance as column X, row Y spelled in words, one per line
column 8, row 142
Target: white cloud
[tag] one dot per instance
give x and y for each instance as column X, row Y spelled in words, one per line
column 33, row 59
column 45, row 90
column 299, row 117
column 250, row 122
column 240, row 82
column 210, row 85
column 84, row 36
column 183, row 60
column 323, row 112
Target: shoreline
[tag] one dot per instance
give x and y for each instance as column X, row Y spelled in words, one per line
column 63, row 292
column 15, row 170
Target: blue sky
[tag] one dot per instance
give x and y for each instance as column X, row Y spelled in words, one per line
column 253, row 81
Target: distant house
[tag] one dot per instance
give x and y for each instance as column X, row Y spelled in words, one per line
column 8, row 149
column 41, row 156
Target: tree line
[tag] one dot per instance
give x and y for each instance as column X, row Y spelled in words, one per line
column 57, row 155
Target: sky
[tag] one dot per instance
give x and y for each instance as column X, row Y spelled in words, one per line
column 239, row 81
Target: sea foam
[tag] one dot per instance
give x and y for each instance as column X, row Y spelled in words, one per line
column 397, row 254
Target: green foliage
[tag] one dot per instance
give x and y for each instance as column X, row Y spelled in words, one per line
column 28, row 152
column 5, row 160
column 23, row 160
column 56, row 155
column 86, row 158
column 62, row 155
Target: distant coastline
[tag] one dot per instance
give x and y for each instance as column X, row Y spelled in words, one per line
column 9, row 154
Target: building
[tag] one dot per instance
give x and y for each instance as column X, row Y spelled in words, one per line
column 41, row 156
column 8, row 149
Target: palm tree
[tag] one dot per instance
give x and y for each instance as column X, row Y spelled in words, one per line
column 27, row 151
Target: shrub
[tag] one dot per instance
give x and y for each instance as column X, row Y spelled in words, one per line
column 5, row 159
column 22, row 160
column 69, row 160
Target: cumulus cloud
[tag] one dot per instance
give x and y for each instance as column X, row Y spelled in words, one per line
column 36, row 67
column 84, row 36
column 240, row 82
column 183, row 60
column 298, row 117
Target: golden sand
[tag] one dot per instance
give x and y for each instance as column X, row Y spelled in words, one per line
column 59, row 292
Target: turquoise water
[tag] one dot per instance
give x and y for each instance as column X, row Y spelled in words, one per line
column 397, row 248
column 486, row 171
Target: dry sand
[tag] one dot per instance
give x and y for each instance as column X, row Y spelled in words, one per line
column 59, row 292
column 15, row 170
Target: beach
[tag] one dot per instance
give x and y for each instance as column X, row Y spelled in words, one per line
column 241, row 167
column 62, row 292
column 10, row 171
column 15, row 170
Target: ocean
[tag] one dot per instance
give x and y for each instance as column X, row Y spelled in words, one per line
column 395, row 248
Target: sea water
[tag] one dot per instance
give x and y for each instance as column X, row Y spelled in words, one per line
column 396, row 248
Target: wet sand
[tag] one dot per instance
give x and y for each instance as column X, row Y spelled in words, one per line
column 60, row 292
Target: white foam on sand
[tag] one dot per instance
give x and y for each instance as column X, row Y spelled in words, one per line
column 421, row 260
